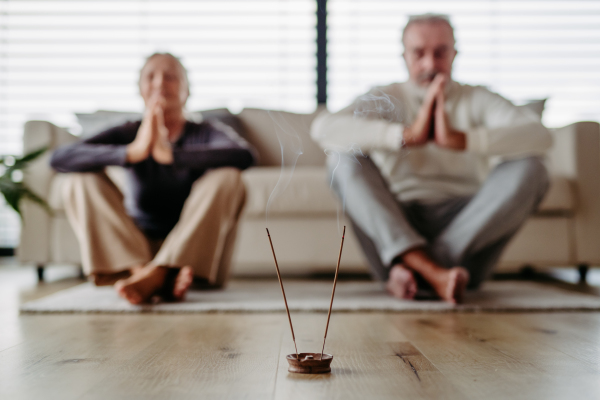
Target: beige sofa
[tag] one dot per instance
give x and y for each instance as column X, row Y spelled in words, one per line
column 305, row 220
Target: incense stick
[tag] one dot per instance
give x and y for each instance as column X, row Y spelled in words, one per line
column 283, row 292
column 337, row 269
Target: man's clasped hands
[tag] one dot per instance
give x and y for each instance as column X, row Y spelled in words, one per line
column 432, row 111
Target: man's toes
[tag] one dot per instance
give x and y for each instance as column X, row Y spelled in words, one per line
column 458, row 278
column 412, row 289
column 182, row 282
column 461, row 278
column 401, row 283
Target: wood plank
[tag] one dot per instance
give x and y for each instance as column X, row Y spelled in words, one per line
column 208, row 356
column 486, row 358
column 76, row 354
column 575, row 335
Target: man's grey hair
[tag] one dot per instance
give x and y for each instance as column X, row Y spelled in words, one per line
column 430, row 18
column 179, row 63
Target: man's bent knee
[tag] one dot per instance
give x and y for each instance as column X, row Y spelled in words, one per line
column 531, row 175
column 342, row 166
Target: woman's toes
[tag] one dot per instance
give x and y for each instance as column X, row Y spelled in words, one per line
column 183, row 282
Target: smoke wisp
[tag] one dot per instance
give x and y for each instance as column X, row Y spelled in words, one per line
column 288, row 139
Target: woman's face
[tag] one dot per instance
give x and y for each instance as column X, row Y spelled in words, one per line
column 162, row 77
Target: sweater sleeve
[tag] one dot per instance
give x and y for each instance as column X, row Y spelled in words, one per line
column 223, row 147
column 95, row 153
column 369, row 123
column 505, row 129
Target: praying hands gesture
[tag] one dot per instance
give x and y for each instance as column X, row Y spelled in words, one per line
column 432, row 112
column 152, row 138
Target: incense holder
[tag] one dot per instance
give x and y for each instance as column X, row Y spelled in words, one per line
column 309, row 363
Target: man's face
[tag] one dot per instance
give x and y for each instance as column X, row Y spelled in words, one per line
column 162, row 77
column 428, row 50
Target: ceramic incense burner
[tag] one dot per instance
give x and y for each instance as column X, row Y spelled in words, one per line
column 309, row 363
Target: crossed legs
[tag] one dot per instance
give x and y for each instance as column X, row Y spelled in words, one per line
column 115, row 251
column 447, row 244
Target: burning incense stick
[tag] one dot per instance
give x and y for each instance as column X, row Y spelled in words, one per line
column 337, row 269
column 283, row 292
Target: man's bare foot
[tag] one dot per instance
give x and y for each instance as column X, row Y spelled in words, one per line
column 146, row 282
column 401, row 283
column 451, row 285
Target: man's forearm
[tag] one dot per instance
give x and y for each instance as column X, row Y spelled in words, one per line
column 341, row 132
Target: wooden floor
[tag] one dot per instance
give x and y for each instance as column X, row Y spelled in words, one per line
column 242, row 356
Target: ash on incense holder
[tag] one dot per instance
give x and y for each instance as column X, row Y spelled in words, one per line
column 309, row 363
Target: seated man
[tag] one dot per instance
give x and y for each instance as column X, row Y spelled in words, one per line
column 425, row 207
column 177, row 221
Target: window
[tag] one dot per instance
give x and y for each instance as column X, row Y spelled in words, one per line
column 524, row 50
column 61, row 57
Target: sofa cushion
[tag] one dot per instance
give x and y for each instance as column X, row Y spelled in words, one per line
column 272, row 132
column 308, row 193
column 560, row 196
column 303, row 192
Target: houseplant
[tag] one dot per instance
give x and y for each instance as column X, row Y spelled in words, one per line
column 11, row 180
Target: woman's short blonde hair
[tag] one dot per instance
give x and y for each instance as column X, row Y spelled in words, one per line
column 177, row 60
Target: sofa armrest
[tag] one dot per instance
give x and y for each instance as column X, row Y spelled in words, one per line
column 38, row 134
column 576, row 155
column 34, row 243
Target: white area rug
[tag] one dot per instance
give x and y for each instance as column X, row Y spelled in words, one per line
column 263, row 295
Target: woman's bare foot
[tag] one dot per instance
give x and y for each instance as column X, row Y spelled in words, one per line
column 182, row 282
column 452, row 284
column 109, row 279
column 401, row 283
column 146, row 282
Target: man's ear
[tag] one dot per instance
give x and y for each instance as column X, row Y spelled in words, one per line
column 185, row 98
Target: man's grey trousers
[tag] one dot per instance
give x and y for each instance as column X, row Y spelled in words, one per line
column 465, row 231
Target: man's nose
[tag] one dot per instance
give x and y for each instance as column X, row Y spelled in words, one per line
column 428, row 62
column 158, row 81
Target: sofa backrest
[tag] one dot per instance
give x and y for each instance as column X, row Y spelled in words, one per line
column 262, row 128
column 267, row 129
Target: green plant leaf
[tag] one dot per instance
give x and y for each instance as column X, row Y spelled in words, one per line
column 14, row 192
column 22, row 162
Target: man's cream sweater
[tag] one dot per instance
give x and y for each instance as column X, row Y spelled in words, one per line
column 374, row 122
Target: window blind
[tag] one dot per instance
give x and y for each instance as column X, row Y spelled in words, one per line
column 525, row 49
column 61, row 57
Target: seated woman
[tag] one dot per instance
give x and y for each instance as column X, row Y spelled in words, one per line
column 177, row 221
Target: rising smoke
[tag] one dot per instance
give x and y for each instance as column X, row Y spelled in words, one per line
column 374, row 105
column 288, row 139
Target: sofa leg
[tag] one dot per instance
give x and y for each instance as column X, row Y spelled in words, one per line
column 583, row 271
column 81, row 273
column 40, row 273
column 527, row 271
